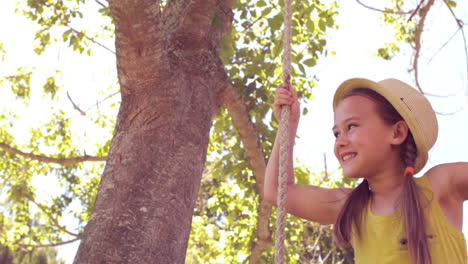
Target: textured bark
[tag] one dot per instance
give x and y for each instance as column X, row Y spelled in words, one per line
column 170, row 76
column 251, row 140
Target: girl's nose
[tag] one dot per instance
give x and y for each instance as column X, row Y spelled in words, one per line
column 341, row 141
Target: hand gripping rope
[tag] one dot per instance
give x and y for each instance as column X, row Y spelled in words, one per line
column 284, row 139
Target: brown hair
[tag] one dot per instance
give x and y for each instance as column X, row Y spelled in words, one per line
column 353, row 211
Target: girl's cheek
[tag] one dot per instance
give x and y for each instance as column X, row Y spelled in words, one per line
column 353, row 134
column 335, row 150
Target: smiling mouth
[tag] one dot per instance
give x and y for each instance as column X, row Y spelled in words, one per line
column 348, row 156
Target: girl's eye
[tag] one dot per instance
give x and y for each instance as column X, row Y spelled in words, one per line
column 350, row 126
column 336, row 134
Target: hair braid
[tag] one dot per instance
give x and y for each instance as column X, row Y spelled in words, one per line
column 410, row 151
column 413, row 210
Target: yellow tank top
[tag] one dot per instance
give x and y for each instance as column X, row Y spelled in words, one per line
column 383, row 240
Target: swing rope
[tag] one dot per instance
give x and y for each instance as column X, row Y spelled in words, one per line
column 284, row 139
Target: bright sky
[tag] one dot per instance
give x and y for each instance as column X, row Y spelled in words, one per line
column 356, row 41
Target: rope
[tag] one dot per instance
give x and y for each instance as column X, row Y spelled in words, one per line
column 284, row 140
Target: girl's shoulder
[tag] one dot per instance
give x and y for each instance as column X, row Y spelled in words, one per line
column 449, row 180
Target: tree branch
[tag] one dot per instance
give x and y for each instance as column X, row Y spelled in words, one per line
column 328, row 254
column 466, row 56
column 101, row 4
column 54, row 220
column 76, row 107
column 61, row 161
column 49, row 245
column 101, row 101
column 317, row 240
column 419, row 29
column 416, row 10
column 237, row 109
column 384, row 10
column 91, row 39
column 418, row 33
column 443, row 45
column 460, row 24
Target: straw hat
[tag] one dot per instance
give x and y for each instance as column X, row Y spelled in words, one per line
column 410, row 103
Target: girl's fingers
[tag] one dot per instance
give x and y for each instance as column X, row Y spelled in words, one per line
column 284, row 96
column 282, row 88
column 280, row 103
column 284, row 93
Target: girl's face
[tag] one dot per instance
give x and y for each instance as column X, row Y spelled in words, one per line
column 362, row 137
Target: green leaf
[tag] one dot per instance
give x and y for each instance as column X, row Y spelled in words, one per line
column 66, row 34
column 301, row 68
column 276, row 22
column 321, row 24
column 310, row 62
column 261, row 3
column 21, row 83
column 310, row 25
column 50, row 87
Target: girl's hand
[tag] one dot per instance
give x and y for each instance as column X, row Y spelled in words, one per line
column 285, row 96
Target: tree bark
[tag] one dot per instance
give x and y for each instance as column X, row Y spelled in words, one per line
column 171, row 77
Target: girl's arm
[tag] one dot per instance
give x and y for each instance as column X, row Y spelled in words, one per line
column 450, row 180
column 459, row 176
column 309, row 202
column 450, row 186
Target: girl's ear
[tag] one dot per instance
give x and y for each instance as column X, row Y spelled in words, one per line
column 400, row 132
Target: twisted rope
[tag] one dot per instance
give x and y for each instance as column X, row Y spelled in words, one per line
column 284, row 139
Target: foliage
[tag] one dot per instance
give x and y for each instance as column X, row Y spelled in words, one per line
column 225, row 219
column 34, row 256
column 57, row 22
column 404, row 25
column 408, row 21
column 46, row 197
column 224, row 222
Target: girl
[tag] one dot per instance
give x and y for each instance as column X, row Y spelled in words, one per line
column 383, row 132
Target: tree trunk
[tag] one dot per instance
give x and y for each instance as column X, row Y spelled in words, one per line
column 170, row 76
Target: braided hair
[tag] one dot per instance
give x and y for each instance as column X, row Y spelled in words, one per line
column 413, row 210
